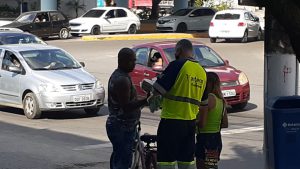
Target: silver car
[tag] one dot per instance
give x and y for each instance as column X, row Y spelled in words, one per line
column 183, row 20
column 40, row 78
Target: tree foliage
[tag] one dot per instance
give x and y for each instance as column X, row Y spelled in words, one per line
column 217, row 5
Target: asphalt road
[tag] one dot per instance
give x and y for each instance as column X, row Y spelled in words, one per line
column 71, row 140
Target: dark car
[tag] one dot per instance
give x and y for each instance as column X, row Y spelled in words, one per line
column 43, row 23
column 234, row 83
column 14, row 37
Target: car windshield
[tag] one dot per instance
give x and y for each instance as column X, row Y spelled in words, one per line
column 25, row 18
column 227, row 16
column 53, row 59
column 93, row 14
column 182, row 12
column 206, row 56
column 20, row 39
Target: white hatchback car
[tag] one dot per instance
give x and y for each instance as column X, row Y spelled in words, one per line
column 234, row 24
column 105, row 20
column 194, row 19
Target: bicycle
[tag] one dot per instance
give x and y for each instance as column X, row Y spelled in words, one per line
column 144, row 155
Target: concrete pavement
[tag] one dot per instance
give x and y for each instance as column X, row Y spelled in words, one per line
column 74, row 140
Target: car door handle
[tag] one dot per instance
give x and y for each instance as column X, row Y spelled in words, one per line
column 146, row 74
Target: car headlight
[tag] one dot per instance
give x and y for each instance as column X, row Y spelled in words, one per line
column 172, row 20
column 98, row 85
column 48, row 87
column 243, row 79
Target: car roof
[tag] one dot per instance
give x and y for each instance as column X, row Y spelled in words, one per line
column 237, row 11
column 166, row 44
column 27, row 47
column 109, row 8
column 40, row 11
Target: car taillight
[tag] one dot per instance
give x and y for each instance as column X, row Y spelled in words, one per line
column 211, row 24
column 242, row 24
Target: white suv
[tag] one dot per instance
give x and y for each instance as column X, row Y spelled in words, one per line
column 196, row 19
column 105, row 20
column 234, row 24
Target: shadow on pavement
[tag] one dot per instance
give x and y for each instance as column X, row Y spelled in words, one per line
column 250, row 106
column 245, row 157
column 59, row 115
column 24, row 147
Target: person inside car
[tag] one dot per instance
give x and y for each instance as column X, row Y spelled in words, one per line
column 156, row 61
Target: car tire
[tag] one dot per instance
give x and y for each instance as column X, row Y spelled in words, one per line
column 95, row 30
column 75, row 34
column 132, row 29
column 92, row 111
column 31, row 106
column 213, row 40
column 239, row 106
column 245, row 37
column 227, row 40
column 181, row 28
column 259, row 35
column 64, row 33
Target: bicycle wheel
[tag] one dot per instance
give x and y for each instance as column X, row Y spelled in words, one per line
column 138, row 161
column 151, row 161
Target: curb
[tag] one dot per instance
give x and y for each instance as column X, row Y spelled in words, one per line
column 145, row 36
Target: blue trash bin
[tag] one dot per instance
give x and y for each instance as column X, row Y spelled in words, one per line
column 282, row 125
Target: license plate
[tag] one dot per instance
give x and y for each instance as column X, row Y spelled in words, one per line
column 82, row 98
column 225, row 31
column 229, row 93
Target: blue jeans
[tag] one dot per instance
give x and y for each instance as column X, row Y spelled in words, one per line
column 122, row 138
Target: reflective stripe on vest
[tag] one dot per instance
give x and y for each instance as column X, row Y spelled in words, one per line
column 183, row 99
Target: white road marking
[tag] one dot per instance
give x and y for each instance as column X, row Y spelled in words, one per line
column 242, row 130
column 224, row 132
column 95, row 146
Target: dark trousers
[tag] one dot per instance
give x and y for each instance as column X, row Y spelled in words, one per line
column 122, row 139
column 176, row 141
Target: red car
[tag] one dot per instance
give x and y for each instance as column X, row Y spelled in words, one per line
column 234, row 83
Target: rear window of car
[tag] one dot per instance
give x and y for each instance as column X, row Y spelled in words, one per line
column 93, row 14
column 227, row 16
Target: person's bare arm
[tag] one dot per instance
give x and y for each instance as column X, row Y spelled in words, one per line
column 224, row 118
column 205, row 109
column 123, row 89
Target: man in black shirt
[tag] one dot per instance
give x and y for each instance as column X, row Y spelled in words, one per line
column 124, row 110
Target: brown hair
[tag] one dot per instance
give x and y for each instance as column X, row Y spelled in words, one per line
column 214, row 80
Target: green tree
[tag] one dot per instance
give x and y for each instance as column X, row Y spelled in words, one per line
column 198, row 3
column 76, row 5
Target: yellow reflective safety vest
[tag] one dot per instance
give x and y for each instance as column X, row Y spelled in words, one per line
column 183, row 99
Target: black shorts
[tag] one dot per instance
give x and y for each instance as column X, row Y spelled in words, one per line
column 209, row 146
column 176, row 140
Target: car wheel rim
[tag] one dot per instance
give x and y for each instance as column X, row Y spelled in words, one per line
column 132, row 30
column 29, row 106
column 64, row 33
column 259, row 35
column 95, row 31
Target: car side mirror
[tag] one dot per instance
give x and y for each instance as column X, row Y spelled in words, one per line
column 15, row 69
column 192, row 15
column 82, row 64
column 227, row 62
column 106, row 17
